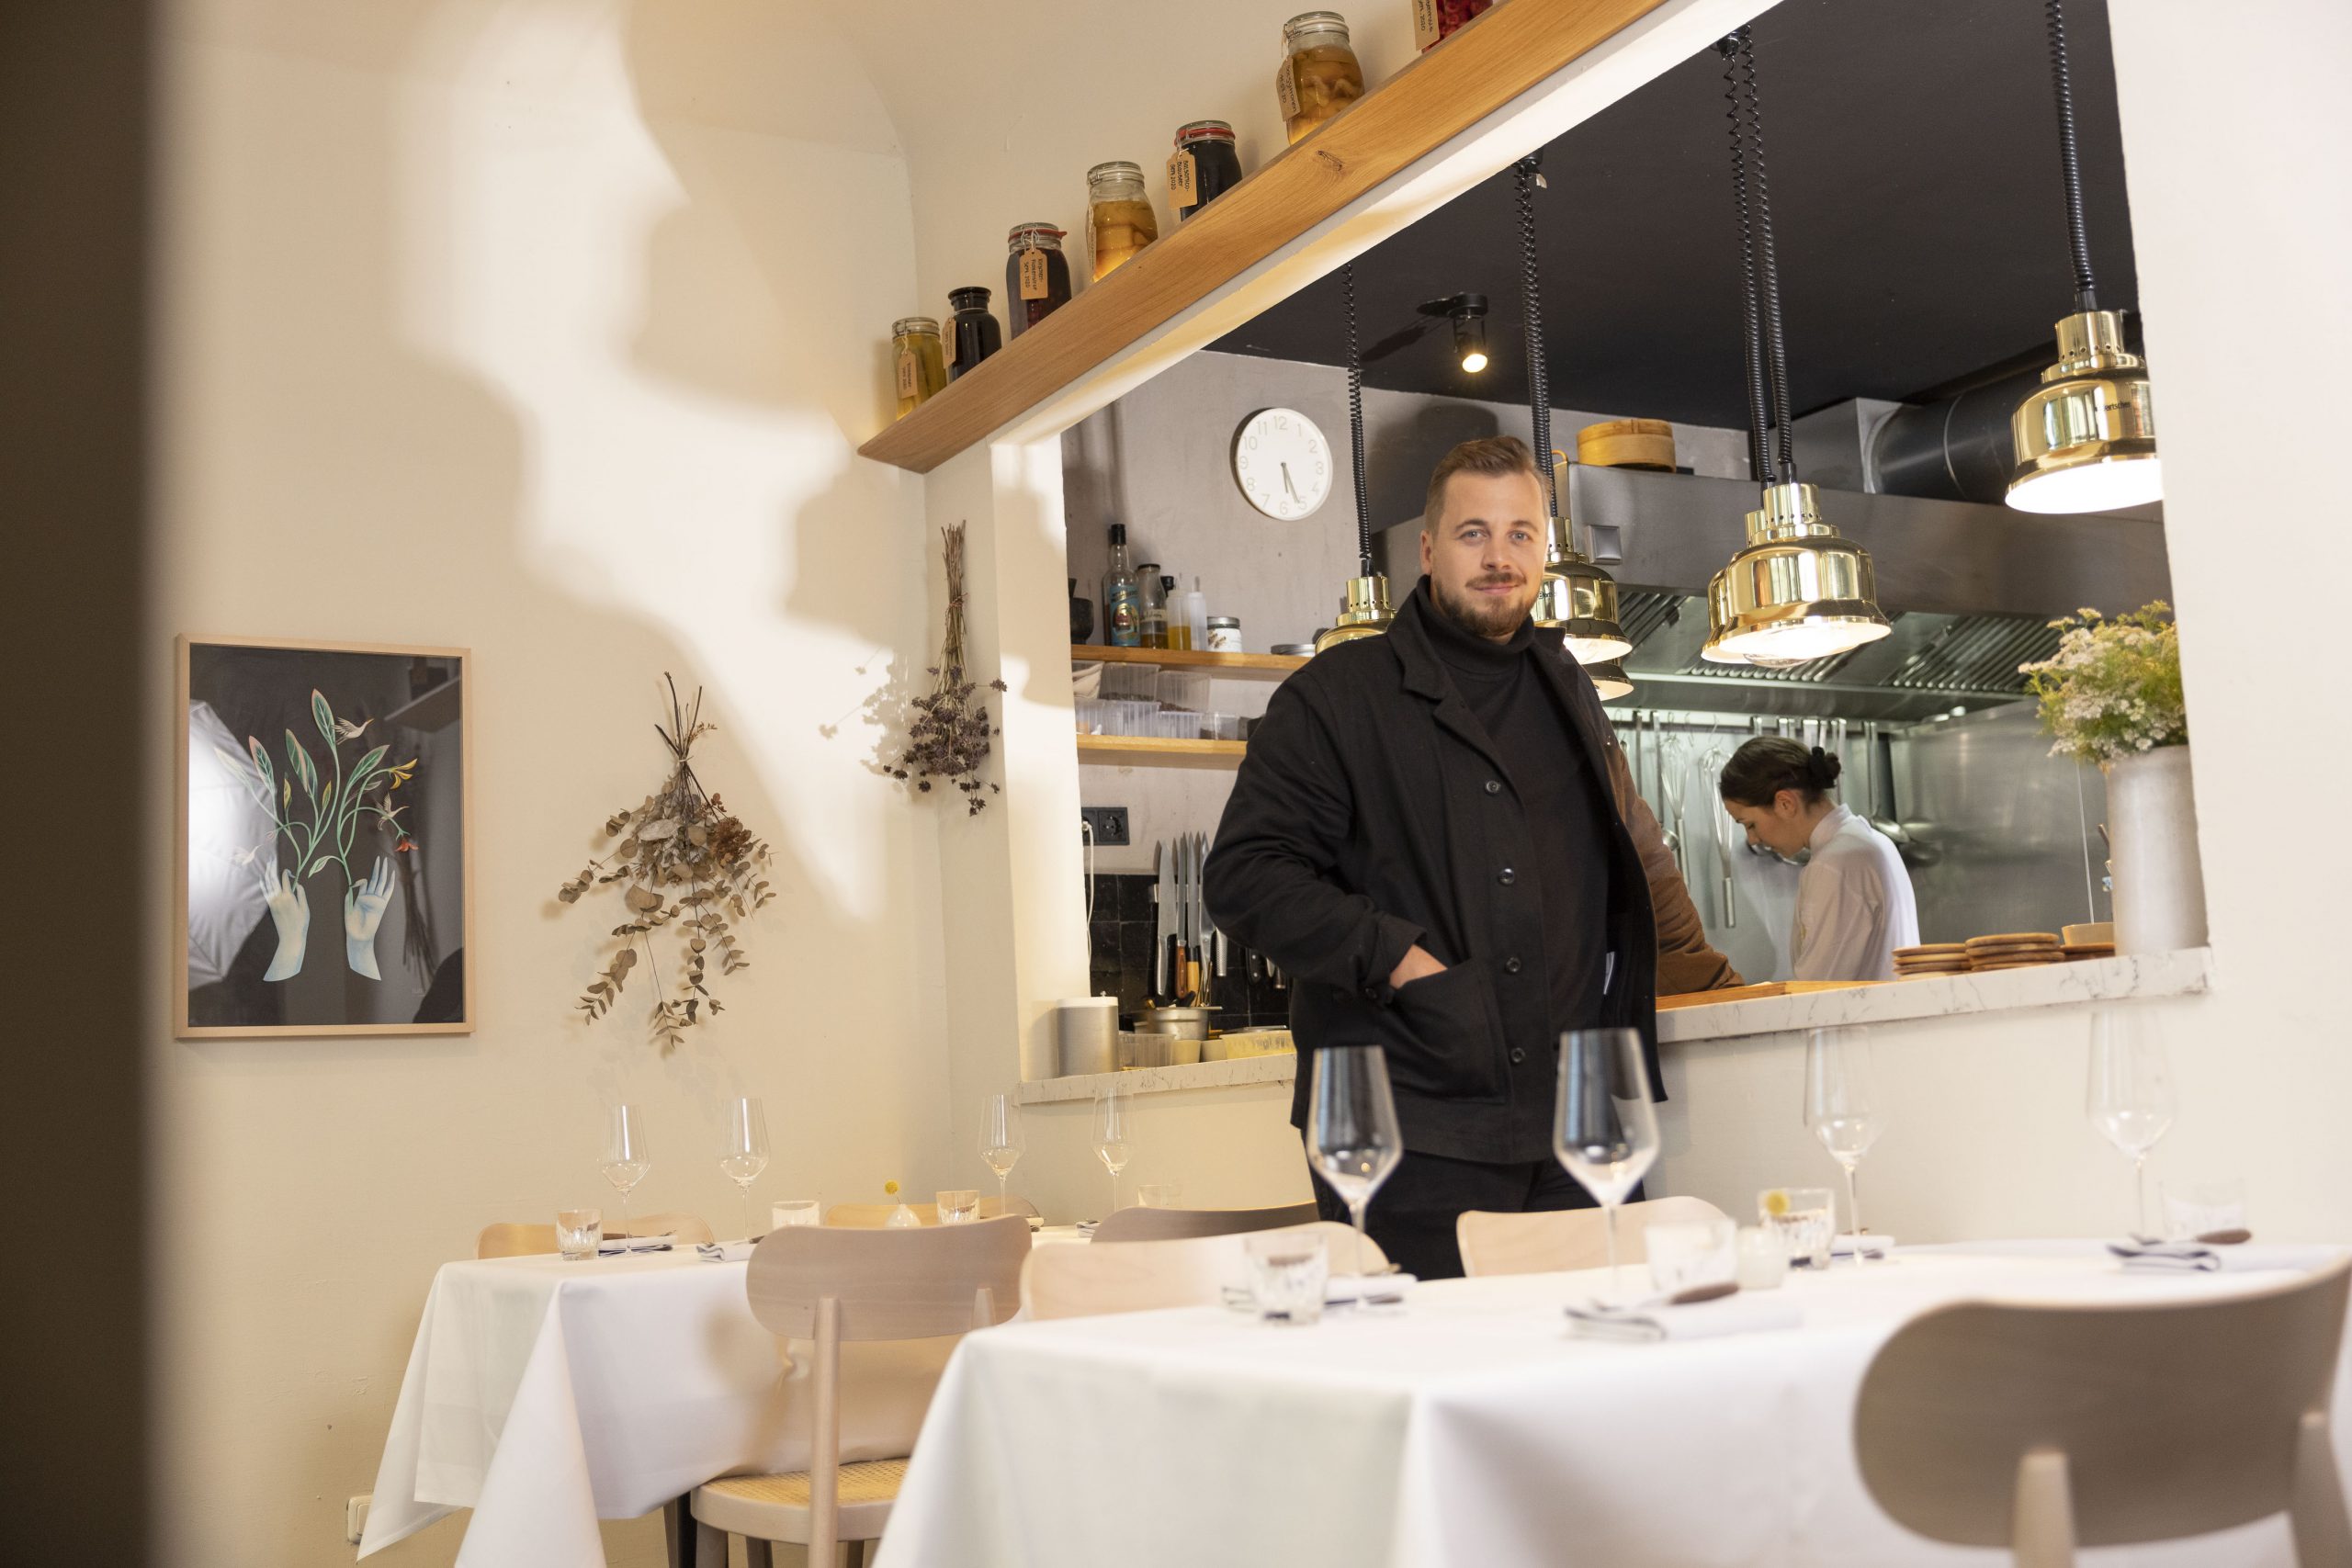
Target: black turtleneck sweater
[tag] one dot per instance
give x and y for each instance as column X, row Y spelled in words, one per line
column 1562, row 798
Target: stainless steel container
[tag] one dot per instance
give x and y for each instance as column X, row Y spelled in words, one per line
column 1086, row 1034
column 1185, row 1023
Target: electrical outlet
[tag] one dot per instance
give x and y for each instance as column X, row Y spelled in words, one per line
column 354, row 1517
column 1109, row 822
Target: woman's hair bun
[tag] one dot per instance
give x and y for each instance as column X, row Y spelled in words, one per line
column 1825, row 769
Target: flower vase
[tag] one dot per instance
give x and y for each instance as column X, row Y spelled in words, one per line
column 902, row 1218
column 2151, row 828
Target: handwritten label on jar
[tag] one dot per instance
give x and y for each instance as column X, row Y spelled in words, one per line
column 1184, row 185
column 1286, row 89
column 909, row 376
column 1425, row 27
column 947, row 340
column 1034, row 282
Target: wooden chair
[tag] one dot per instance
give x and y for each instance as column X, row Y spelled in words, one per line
column 1143, row 1276
column 841, row 1285
column 2044, row 1428
column 1554, row 1241
column 1177, row 1224
column 510, row 1239
column 874, row 1216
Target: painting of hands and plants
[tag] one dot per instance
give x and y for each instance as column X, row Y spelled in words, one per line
column 322, row 821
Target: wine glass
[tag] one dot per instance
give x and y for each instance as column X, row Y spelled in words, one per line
column 1604, row 1127
column 1352, row 1132
column 2131, row 1097
column 743, row 1152
column 627, row 1157
column 1114, row 1135
column 1001, row 1143
column 1841, row 1107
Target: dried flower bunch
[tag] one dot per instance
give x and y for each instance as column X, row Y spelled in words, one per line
column 2113, row 687
column 689, row 867
column 949, row 737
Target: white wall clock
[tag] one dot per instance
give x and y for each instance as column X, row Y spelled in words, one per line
column 1282, row 464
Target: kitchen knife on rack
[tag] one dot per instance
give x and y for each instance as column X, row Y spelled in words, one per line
column 1213, row 938
column 1182, row 985
column 1163, row 979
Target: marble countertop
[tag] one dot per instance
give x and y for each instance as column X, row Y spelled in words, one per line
column 2053, row 985
column 1275, row 1066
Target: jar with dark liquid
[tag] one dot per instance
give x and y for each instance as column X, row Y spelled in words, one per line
column 1037, row 276
column 1319, row 75
column 1204, row 166
column 972, row 333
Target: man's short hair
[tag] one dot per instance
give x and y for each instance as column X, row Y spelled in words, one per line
column 1492, row 456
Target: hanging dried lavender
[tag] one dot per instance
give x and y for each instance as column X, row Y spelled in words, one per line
column 949, row 737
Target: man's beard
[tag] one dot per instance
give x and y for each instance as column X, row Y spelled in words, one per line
column 1480, row 617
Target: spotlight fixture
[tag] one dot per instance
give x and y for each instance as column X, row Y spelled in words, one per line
column 1576, row 596
column 1797, row 591
column 1469, row 315
column 2086, row 439
column 1363, row 603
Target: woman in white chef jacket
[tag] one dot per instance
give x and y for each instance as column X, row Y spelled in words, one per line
column 1854, row 903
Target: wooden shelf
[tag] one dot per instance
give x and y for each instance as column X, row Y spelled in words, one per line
column 1243, row 666
column 1503, row 53
column 1135, row 749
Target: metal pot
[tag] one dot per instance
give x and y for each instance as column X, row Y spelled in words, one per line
column 1184, row 1023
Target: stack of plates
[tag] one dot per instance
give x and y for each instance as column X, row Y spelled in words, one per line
column 2014, row 949
column 2079, row 950
column 1931, row 958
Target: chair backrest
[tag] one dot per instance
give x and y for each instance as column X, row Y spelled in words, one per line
column 888, row 1284
column 874, row 1216
column 1176, row 1224
column 1553, row 1241
column 690, row 1229
column 1144, row 1276
column 2175, row 1419
column 510, row 1239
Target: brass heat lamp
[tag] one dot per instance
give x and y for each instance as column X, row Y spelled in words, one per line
column 1364, row 611
column 1796, row 591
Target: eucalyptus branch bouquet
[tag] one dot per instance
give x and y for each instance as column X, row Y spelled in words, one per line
column 2113, row 690
column 689, row 867
column 949, row 737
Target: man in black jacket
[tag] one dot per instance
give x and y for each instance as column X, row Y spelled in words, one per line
column 1435, row 832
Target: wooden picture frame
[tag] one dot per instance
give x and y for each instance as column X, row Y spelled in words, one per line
column 269, row 867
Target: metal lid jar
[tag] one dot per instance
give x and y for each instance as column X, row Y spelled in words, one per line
column 1119, row 219
column 1319, row 75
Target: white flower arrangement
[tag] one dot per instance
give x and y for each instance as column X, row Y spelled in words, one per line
column 2113, row 687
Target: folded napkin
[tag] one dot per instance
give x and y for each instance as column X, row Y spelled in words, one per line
column 1873, row 1245
column 1341, row 1289
column 1648, row 1322
column 613, row 1246
column 725, row 1251
column 2197, row 1256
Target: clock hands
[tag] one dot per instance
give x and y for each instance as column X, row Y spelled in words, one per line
column 1286, row 484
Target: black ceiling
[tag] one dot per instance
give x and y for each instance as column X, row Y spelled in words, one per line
column 1911, row 152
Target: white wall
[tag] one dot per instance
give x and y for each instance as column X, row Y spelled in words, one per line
column 546, row 329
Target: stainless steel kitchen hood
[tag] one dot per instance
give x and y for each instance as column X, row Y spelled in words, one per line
column 1969, row 590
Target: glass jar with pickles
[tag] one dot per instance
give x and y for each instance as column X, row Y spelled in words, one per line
column 1204, row 167
column 1119, row 220
column 1037, row 275
column 919, row 360
column 1319, row 75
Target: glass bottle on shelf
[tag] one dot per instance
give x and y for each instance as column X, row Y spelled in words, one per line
column 1122, row 596
column 1153, row 624
column 1082, row 614
column 920, row 359
column 1204, row 167
column 1180, row 631
column 1037, row 275
column 1119, row 220
column 973, row 333
column 1319, row 75
column 1195, row 613
column 1434, row 21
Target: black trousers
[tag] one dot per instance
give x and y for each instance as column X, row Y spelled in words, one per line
column 1412, row 1216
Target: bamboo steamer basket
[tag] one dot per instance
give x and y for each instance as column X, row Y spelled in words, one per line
column 1628, row 444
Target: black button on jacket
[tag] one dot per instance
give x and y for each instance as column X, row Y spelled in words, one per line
column 1361, row 823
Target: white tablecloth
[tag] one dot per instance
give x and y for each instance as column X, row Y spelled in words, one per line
column 546, row 1395
column 1468, row 1429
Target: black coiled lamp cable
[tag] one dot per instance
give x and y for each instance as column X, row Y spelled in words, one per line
column 1768, row 356
column 1531, row 293
column 2078, row 242
column 1355, row 424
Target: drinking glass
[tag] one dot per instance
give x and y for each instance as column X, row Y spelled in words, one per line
column 958, row 1206
column 794, row 1211
column 1001, row 1141
column 744, row 1150
column 1288, row 1272
column 1841, row 1106
column 627, row 1157
column 1160, row 1194
column 2131, row 1098
column 1803, row 1218
column 2203, row 1208
column 1605, row 1128
column 1698, row 1252
column 577, row 1231
column 1352, row 1132
column 1114, row 1135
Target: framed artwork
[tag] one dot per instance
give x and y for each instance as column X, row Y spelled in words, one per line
column 324, row 859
